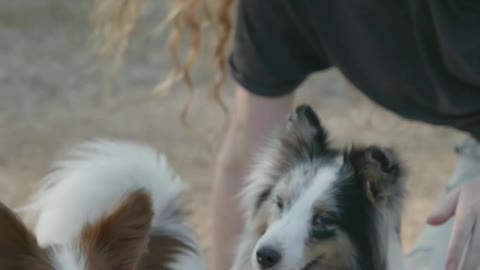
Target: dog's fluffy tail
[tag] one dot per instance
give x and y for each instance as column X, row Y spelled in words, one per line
column 94, row 178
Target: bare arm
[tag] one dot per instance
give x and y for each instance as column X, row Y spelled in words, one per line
column 253, row 120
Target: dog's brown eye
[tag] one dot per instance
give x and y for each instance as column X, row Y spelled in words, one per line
column 279, row 203
column 328, row 222
column 322, row 227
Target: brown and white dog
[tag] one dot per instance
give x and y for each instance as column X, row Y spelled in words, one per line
column 113, row 206
column 107, row 206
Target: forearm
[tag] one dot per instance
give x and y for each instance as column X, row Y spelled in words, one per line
column 254, row 118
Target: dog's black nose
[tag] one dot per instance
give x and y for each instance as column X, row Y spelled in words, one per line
column 267, row 257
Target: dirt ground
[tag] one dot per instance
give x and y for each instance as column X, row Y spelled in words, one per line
column 49, row 100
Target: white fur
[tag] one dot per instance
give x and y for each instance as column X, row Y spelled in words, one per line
column 395, row 259
column 188, row 261
column 395, row 256
column 69, row 258
column 292, row 229
column 93, row 180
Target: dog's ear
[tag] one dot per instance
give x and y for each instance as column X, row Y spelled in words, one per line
column 380, row 171
column 19, row 249
column 305, row 133
column 304, row 113
column 304, row 123
column 119, row 240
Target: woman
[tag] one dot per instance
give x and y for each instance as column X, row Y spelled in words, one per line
column 419, row 59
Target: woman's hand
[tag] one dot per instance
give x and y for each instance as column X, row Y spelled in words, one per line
column 464, row 203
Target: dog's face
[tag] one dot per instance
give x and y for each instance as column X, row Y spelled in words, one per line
column 115, row 242
column 312, row 211
column 303, row 222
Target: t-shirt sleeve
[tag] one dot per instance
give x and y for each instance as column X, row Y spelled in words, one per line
column 271, row 56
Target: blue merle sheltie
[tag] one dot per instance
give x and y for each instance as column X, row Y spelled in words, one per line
column 309, row 206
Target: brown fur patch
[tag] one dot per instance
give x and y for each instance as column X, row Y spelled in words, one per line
column 19, row 249
column 321, row 207
column 118, row 241
column 334, row 254
column 162, row 250
column 283, row 191
column 263, row 219
column 381, row 170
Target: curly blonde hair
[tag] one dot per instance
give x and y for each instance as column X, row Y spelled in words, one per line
column 114, row 21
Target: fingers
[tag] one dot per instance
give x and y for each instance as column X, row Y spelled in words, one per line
column 445, row 210
column 461, row 233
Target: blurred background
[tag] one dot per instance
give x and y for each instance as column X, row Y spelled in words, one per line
column 50, row 99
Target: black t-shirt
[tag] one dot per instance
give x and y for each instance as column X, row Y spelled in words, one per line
column 418, row 58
